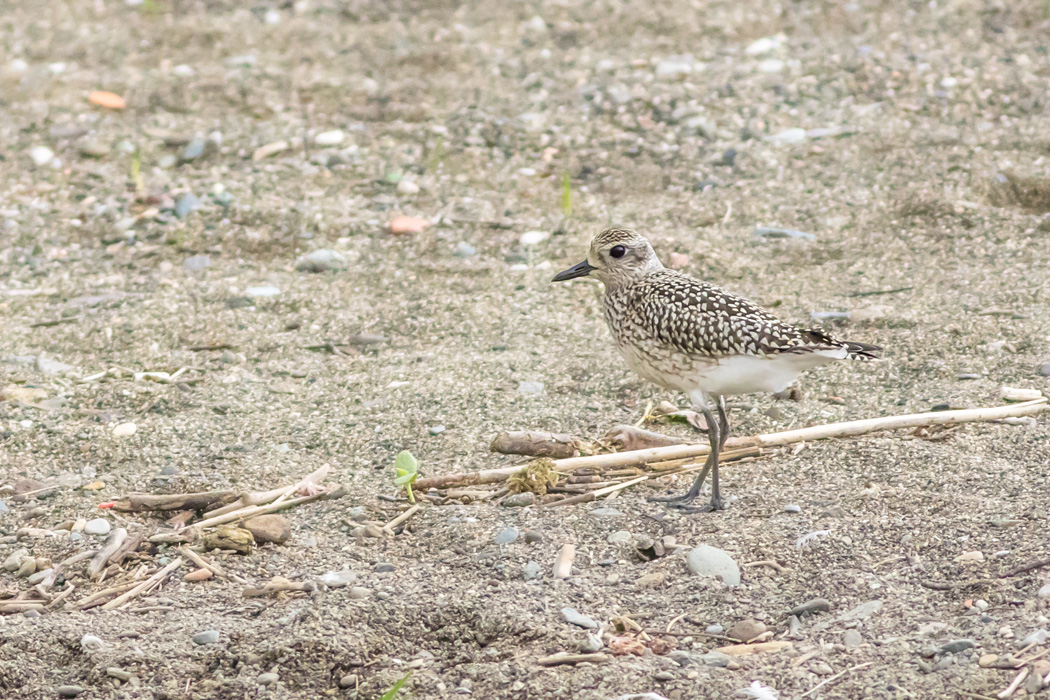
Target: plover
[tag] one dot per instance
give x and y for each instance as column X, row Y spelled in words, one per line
column 690, row 336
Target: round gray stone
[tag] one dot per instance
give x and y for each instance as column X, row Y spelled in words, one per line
column 706, row 560
column 206, row 637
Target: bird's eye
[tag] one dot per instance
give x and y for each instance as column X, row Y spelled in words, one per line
column 617, row 251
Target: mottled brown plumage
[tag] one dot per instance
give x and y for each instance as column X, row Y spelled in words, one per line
column 684, row 334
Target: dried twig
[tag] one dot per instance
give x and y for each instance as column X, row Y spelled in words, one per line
column 571, row 659
column 214, row 568
column 143, row 502
column 1014, row 684
column 112, row 544
column 145, row 586
column 401, row 518
column 831, row 679
column 949, row 586
column 767, row 562
column 279, row 585
column 597, row 493
column 817, row 432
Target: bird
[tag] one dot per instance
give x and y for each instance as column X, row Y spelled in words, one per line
column 687, row 335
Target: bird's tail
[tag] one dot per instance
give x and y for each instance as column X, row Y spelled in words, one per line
column 861, row 351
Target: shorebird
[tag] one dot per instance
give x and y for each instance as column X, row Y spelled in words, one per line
column 690, row 336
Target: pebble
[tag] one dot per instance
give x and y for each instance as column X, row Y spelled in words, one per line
column 186, row 204
column 269, row 528
column 359, row 593
column 663, row 676
column 436, row 430
column 198, row 576
column 321, row 260
column 1044, row 592
column 811, row 606
column 792, row 508
column 407, row 225
column 348, row 681
column 41, row 155
column 91, row 148
column 531, row 570
column 574, row 617
column 715, row 658
column 98, row 526
column 338, row 579
column 358, row 513
column 183, row 71
column 3, row 507
column 604, row 513
column 206, row 637
column 706, row 560
column 14, row 561
column 119, row 673
column 563, row 564
column 531, row 238
column 974, row 556
column 196, row 263
column 987, row 660
column 519, row 500
column 852, row 638
column 407, row 187
column 955, row 646
column 591, row 644
column 677, row 66
column 533, row 537
column 530, row 388
column 168, row 160
column 746, row 630
column 31, row 614
column 1044, row 369
column 69, row 691
column 464, row 250
column 384, row 567
column 507, row 536
column 125, row 430
column 330, row 138
column 620, row 537
column 194, row 149
column 264, row 291
column 771, row 65
column 763, row 46
column 267, row 678
column 270, row 149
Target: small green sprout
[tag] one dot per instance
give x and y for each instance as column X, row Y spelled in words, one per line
column 396, row 687
column 566, row 195
column 406, row 470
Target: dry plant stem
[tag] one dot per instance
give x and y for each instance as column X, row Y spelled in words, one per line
column 403, row 517
column 260, row 498
column 20, row 606
column 1014, row 684
column 562, row 659
column 831, row 679
column 215, row 569
column 62, row 596
column 277, row 586
column 252, row 511
column 146, row 585
column 597, row 493
column 949, row 586
column 767, row 562
column 113, row 543
column 817, row 432
column 97, row 597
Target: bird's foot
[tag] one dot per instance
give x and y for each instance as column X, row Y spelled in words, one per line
column 714, row 505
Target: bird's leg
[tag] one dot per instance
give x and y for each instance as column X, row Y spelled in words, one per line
column 712, row 463
column 723, row 422
column 715, row 439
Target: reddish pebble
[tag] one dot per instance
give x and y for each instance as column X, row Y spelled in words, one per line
column 679, row 260
column 198, row 575
column 405, row 225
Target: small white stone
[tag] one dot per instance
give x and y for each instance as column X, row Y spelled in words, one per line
column 183, row 71
column 125, row 430
column 18, row 66
column 41, row 155
column 265, row 291
column 273, row 17
column 407, row 187
column 949, row 82
column 771, row 65
column 329, row 138
column 530, row 238
column 763, row 45
column 98, row 526
column 788, row 136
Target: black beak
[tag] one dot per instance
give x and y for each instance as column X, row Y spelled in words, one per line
column 578, row 270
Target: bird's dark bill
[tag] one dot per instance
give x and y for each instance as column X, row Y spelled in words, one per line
column 578, row 270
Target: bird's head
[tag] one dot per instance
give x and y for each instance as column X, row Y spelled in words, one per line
column 617, row 256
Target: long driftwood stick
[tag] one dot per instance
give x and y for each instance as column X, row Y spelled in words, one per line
column 144, row 502
column 816, row 432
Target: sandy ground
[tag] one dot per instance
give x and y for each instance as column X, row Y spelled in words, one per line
column 888, row 131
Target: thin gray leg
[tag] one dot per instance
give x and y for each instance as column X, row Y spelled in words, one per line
column 715, row 439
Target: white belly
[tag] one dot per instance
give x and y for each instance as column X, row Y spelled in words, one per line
column 727, row 376
column 747, row 374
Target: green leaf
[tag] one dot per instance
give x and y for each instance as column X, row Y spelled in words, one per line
column 396, row 688
column 405, row 463
column 405, row 479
